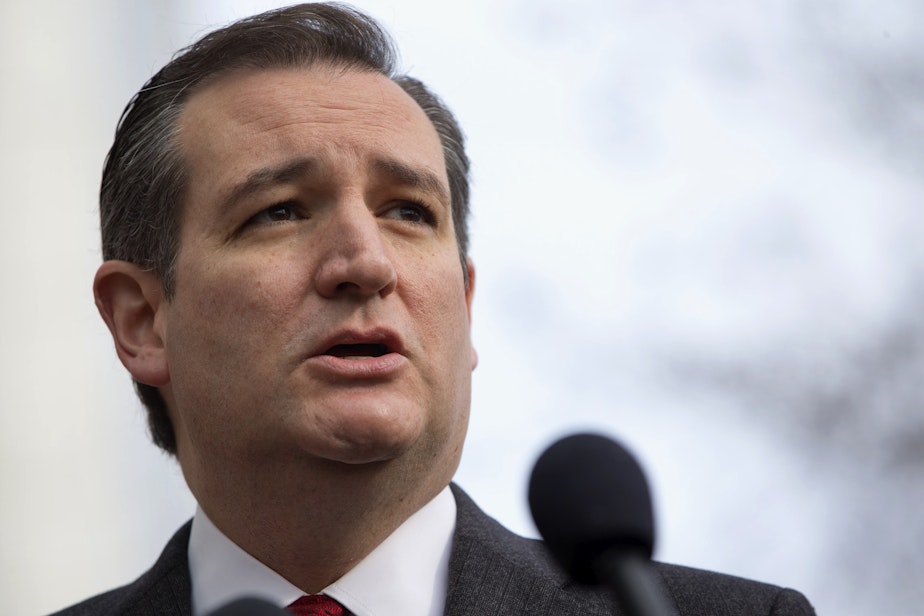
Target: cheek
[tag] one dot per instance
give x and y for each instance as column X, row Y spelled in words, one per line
column 437, row 306
column 240, row 288
column 438, row 297
column 227, row 315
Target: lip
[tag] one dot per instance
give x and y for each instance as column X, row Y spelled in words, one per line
column 367, row 367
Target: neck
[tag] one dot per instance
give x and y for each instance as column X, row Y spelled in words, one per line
column 312, row 530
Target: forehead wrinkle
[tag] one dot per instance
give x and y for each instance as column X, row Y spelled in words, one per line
column 369, row 111
column 274, row 113
column 366, row 119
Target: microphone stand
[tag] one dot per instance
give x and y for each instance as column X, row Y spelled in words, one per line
column 631, row 577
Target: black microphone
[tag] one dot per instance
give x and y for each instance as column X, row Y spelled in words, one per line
column 591, row 504
column 249, row 606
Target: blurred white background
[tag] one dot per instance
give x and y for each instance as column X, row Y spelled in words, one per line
column 696, row 227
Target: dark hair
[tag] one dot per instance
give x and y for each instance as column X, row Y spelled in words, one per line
column 144, row 177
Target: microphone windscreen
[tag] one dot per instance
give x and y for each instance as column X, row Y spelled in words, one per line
column 588, row 495
column 249, row 606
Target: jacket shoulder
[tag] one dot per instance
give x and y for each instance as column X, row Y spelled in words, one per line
column 700, row 592
column 163, row 590
column 494, row 571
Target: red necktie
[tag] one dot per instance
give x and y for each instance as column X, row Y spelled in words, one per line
column 316, row 605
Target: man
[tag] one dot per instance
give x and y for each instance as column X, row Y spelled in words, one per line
column 286, row 279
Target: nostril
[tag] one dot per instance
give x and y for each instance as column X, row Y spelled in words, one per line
column 356, row 276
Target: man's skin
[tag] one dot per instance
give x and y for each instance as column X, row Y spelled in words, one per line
column 316, row 356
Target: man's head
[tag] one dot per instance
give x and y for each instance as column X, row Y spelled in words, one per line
column 146, row 181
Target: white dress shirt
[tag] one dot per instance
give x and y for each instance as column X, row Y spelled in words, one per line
column 406, row 575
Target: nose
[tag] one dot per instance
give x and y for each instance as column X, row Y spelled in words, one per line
column 356, row 260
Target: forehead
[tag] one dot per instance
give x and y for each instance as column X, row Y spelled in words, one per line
column 254, row 118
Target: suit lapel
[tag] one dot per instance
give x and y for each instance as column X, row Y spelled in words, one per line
column 165, row 590
column 493, row 571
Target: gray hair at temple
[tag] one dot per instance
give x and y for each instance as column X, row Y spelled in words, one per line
column 144, row 178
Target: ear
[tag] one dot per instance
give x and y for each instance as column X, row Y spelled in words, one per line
column 469, row 294
column 131, row 302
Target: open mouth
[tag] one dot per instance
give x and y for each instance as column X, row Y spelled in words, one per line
column 358, row 351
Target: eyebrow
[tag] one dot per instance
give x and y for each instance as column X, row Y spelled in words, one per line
column 418, row 178
column 270, row 176
column 394, row 170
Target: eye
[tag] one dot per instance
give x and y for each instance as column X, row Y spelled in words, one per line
column 279, row 212
column 408, row 211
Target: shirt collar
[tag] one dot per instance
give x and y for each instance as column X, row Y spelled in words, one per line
column 405, row 575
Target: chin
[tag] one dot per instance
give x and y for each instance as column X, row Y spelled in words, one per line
column 364, row 446
column 360, row 454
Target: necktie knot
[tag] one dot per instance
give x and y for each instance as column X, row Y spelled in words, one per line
column 316, row 605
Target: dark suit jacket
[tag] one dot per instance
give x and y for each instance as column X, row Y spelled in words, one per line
column 491, row 571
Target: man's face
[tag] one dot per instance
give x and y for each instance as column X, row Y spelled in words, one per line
column 320, row 308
